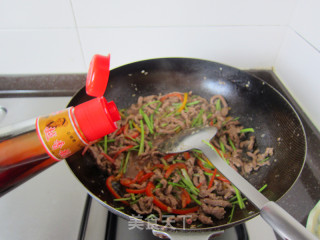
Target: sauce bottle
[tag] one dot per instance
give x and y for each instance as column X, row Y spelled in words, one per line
column 26, row 150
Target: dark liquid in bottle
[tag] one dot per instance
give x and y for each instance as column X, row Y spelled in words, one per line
column 21, row 158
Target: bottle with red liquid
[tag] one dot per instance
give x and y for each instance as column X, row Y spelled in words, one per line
column 26, row 150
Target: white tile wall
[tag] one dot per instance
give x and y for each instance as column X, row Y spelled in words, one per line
column 101, row 13
column 20, row 14
column 61, row 36
column 306, row 21
column 244, row 47
column 40, row 51
column 43, row 36
column 298, row 67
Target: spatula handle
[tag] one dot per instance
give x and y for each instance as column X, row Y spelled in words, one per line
column 284, row 224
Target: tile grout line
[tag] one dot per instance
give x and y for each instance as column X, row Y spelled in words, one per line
column 78, row 34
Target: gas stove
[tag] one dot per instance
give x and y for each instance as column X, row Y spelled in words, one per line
column 54, row 205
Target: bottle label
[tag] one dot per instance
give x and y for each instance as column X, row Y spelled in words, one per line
column 59, row 134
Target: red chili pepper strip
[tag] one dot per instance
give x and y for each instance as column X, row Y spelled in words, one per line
column 212, row 178
column 172, row 167
column 164, row 207
column 223, row 179
column 160, row 165
column 145, row 177
column 185, row 211
column 186, row 155
column 122, row 150
column 179, row 95
column 113, row 192
column 166, row 157
column 132, row 136
column 199, row 185
column 156, row 201
column 138, row 176
column 136, row 191
column 185, row 198
column 120, row 131
column 127, row 181
column 217, row 150
column 203, row 168
column 110, row 159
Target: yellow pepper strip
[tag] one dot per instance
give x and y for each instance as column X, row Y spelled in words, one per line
column 208, row 161
column 136, row 126
column 185, row 99
column 122, row 114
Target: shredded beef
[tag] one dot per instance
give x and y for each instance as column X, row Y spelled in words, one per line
column 162, row 118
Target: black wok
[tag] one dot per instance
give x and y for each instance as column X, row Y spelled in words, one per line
column 257, row 104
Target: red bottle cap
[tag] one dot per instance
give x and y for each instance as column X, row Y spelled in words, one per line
column 98, row 75
column 97, row 118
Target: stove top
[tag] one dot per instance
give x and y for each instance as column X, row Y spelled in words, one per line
column 94, row 220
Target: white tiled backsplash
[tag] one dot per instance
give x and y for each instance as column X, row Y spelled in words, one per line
column 42, row 36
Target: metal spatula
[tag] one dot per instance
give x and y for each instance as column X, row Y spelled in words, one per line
column 282, row 222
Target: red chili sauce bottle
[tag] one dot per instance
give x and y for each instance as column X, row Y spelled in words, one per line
column 61, row 134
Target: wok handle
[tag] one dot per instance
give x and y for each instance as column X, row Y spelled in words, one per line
column 186, row 235
column 283, row 223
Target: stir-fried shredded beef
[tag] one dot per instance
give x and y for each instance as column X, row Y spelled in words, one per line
column 152, row 182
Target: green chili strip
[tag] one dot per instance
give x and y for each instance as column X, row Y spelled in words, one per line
column 263, row 187
column 164, row 162
column 180, row 161
column 208, row 174
column 204, row 162
column 126, row 162
column 193, row 103
column 195, row 199
column 240, row 200
column 223, row 149
column 245, row 199
column 197, row 151
column 121, row 199
column 147, row 120
column 119, row 208
column 218, row 105
column 105, row 146
column 266, row 159
column 231, row 144
column 209, row 115
column 245, row 130
column 169, row 114
column 235, row 119
column 130, row 124
column 123, row 111
column 197, row 119
column 151, row 119
column 122, row 165
column 177, row 128
column 132, row 139
column 141, row 148
column 150, row 103
column 133, row 197
column 231, row 214
column 176, row 184
column 186, row 179
column 227, row 160
column 159, row 185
